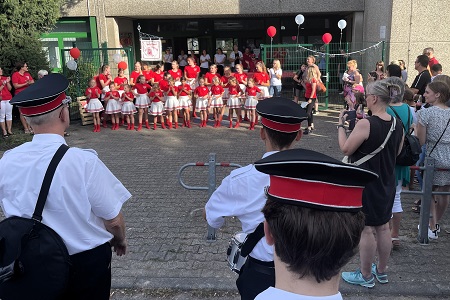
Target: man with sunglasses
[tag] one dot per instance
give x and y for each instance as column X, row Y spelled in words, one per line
column 85, row 199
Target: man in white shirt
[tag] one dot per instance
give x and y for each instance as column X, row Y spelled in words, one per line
column 85, row 199
column 314, row 220
column 241, row 194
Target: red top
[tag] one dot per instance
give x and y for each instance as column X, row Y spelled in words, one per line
column 252, row 91
column 224, row 80
column 92, row 93
column 234, row 89
column 172, row 91
column 142, row 88
column 6, row 94
column 157, row 76
column 191, row 72
column 120, row 81
column 201, row 91
column 164, row 85
column 153, row 95
column 20, row 79
column 134, row 75
column 210, row 76
column 217, row 90
column 240, row 77
column 186, row 87
column 176, row 75
column 114, row 95
column 432, row 62
column 129, row 95
column 261, row 77
column 147, row 74
column 309, row 93
column 105, row 80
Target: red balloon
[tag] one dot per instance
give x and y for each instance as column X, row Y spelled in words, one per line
column 294, row 37
column 271, row 31
column 122, row 65
column 327, row 37
column 75, row 53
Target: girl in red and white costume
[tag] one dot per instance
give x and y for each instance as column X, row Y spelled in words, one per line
column 120, row 81
column 191, row 72
column 157, row 106
column 172, row 105
column 5, row 107
column 252, row 92
column 141, row 89
column 202, row 94
column 128, row 108
column 20, row 81
column 234, row 103
column 176, row 73
column 104, row 79
column 224, row 81
column 158, row 74
column 135, row 74
column 209, row 76
column 184, row 97
column 112, row 105
column 242, row 80
column 94, row 106
column 147, row 72
column 262, row 79
column 216, row 100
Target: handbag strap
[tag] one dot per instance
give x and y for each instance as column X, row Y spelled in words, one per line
column 252, row 239
column 37, row 215
column 375, row 152
column 440, row 137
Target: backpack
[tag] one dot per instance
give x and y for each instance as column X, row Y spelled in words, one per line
column 34, row 261
column 411, row 146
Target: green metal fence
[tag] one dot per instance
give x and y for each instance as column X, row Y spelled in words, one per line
column 88, row 65
column 331, row 60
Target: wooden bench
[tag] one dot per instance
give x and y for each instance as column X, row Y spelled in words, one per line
column 86, row 118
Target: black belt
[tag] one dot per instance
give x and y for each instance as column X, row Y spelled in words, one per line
column 265, row 267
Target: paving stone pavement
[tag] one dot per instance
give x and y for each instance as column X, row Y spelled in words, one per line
column 168, row 255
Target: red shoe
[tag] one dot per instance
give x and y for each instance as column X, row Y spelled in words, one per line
column 184, row 123
column 246, row 118
column 122, row 122
column 154, row 126
column 189, row 124
column 98, row 128
column 231, row 124
column 117, row 126
column 95, row 128
column 147, row 125
column 139, row 127
column 176, row 125
column 237, row 125
column 163, row 126
column 132, row 127
column 252, row 126
column 169, row 124
column 129, row 126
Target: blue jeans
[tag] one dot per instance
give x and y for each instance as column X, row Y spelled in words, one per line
column 275, row 90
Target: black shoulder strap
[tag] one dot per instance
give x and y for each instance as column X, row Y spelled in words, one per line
column 439, row 138
column 37, row 215
column 398, row 117
column 252, row 239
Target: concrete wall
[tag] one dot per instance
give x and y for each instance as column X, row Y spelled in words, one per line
column 417, row 25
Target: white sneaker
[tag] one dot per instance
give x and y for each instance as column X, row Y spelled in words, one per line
column 432, row 234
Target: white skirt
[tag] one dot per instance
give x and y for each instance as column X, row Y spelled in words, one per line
column 185, row 102
column 201, row 104
column 234, row 102
column 128, row 108
column 142, row 101
column 250, row 102
column 156, row 108
column 264, row 91
column 94, row 106
column 216, row 101
column 113, row 107
column 171, row 103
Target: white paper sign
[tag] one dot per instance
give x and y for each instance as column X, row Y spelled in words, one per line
column 151, row 50
column 382, row 32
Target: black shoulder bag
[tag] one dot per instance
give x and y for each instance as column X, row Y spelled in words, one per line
column 411, row 146
column 35, row 263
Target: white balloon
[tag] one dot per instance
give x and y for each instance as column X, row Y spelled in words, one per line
column 117, row 58
column 342, row 24
column 72, row 65
column 299, row 19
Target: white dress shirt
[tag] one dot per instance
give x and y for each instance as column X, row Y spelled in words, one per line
column 273, row 293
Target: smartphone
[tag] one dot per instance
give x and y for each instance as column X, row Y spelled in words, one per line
column 351, row 119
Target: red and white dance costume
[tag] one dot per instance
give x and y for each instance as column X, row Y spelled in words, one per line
column 209, row 78
column 106, row 82
column 176, row 75
column 224, row 80
column 185, row 103
column 133, row 77
column 234, row 103
column 148, row 74
column 157, row 76
column 216, row 96
column 172, row 104
column 261, row 77
column 120, row 81
column 157, row 106
column 113, row 107
column 191, row 74
column 93, row 103
column 201, row 93
column 242, row 80
column 128, row 108
column 142, row 100
column 251, row 102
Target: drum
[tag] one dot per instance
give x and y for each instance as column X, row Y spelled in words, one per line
column 234, row 258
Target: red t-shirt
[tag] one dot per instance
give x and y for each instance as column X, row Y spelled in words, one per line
column 157, row 76
column 112, row 95
column 201, row 91
column 234, row 89
column 210, row 76
column 94, row 92
column 153, row 95
column 6, row 94
column 147, row 74
column 186, row 87
column 164, row 85
column 217, row 90
column 432, row 62
column 240, row 77
column 309, row 93
column 134, row 75
column 129, row 95
column 176, row 75
column 142, row 88
column 224, row 80
column 172, row 91
column 20, row 79
column 105, row 80
column 261, row 77
column 252, row 91
column 120, row 81
column 191, row 72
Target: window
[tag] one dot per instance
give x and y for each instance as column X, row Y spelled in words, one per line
column 192, row 44
column 226, row 44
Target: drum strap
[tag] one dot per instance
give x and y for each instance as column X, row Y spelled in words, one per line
column 252, row 239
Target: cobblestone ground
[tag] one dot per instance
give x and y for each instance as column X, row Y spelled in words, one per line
column 168, row 256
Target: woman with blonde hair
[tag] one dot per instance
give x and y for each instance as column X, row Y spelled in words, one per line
column 275, row 74
column 310, row 84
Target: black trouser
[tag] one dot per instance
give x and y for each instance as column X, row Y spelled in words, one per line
column 309, row 110
column 255, row 277
column 90, row 274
